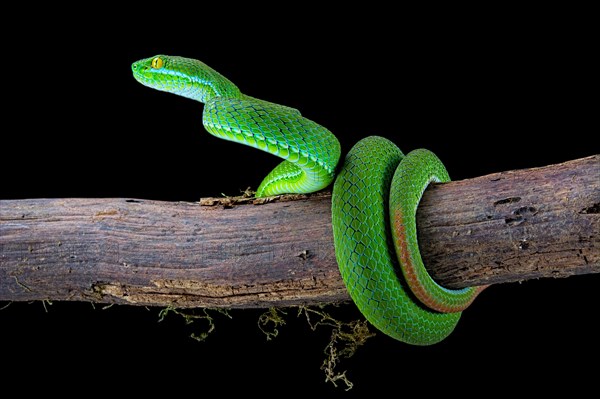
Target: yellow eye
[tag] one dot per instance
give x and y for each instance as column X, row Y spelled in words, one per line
column 157, row 63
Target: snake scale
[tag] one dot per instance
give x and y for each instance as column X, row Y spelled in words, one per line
column 375, row 196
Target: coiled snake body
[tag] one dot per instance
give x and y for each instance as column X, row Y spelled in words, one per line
column 375, row 196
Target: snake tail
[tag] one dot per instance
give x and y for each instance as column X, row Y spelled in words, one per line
column 412, row 176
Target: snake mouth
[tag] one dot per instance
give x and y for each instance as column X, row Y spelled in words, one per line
column 136, row 67
column 144, row 74
column 139, row 71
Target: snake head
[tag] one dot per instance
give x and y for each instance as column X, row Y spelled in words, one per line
column 183, row 76
column 158, row 72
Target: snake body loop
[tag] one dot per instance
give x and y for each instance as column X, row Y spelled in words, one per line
column 374, row 202
column 364, row 249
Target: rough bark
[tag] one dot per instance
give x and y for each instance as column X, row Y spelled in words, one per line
column 516, row 225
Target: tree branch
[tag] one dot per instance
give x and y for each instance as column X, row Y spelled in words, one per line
column 509, row 226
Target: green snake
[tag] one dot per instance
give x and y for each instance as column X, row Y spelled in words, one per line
column 374, row 201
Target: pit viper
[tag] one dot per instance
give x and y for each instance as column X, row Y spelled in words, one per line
column 375, row 196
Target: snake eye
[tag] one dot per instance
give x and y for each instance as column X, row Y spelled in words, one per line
column 157, row 63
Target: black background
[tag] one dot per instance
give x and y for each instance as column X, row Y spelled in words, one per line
column 487, row 90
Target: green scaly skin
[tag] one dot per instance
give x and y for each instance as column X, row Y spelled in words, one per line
column 412, row 176
column 364, row 250
column 310, row 151
column 374, row 224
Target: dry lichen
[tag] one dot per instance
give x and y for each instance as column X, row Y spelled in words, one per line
column 44, row 302
column 345, row 339
column 192, row 317
column 272, row 316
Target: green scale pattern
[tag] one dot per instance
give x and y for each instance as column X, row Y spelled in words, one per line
column 364, row 250
column 360, row 211
column 412, row 176
column 310, row 151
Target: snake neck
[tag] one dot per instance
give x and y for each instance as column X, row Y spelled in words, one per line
column 185, row 77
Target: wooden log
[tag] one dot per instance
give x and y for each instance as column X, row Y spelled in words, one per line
column 508, row 226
